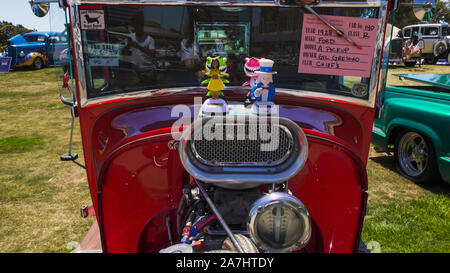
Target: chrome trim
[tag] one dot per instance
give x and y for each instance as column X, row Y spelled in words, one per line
column 376, row 64
column 370, row 3
column 78, row 54
column 244, row 177
column 378, row 131
column 247, row 164
column 287, row 200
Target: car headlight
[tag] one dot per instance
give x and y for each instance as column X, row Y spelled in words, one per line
column 279, row 222
column 22, row 54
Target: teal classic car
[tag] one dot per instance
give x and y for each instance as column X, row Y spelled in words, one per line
column 414, row 123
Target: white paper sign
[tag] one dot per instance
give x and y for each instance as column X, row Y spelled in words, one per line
column 104, row 50
column 92, row 19
column 104, row 62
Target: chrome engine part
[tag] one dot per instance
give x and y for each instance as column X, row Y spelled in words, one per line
column 279, row 222
column 265, row 219
column 178, row 248
column 241, row 164
column 243, row 151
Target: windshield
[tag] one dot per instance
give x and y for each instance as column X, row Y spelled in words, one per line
column 131, row 48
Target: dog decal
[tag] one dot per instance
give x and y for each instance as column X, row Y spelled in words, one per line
column 91, row 20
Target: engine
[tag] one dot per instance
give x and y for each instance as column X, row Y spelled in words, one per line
column 238, row 198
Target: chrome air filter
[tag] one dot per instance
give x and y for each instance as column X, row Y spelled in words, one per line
column 243, row 152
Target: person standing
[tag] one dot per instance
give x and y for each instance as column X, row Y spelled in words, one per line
column 143, row 53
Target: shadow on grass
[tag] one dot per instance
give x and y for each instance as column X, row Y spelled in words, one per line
column 388, row 162
column 30, row 68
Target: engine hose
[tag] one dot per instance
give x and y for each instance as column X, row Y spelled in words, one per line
column 197, row 227
column 189, row 217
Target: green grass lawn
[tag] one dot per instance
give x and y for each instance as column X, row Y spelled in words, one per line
column 403, row 216
column 40, row 195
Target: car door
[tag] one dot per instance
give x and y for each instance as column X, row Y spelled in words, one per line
column 430, row 35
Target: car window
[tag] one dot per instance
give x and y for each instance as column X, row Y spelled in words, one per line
column 445, row 31
column 34, row 38
column 407, row 33
column 58, row 38
column 430, row 31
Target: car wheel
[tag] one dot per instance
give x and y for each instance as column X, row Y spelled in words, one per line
column 415, row 157
column 38, row 63
column 439, row 48
column 430, row 60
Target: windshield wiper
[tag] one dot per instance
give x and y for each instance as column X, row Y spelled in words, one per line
column 339, row 32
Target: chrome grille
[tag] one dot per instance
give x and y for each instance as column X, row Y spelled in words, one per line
column 242, row 146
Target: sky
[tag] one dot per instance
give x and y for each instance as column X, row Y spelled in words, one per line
column 19, row 12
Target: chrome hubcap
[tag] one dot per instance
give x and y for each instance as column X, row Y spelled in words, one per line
column 413, row 154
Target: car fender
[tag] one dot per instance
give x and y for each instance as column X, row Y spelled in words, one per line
column 30, row 57
column 400, row 122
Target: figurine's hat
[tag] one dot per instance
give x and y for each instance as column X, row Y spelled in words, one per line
column 265, row 67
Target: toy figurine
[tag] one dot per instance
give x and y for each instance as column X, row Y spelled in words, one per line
column 264, row 91
column 250, row 67
column 222, row 68
column 215, row 104
column 215, row 69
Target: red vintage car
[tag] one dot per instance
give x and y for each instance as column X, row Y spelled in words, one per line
column 275, row 164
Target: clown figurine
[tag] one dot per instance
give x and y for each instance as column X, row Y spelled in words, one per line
column 250, row 67
column 264, row 91
column 215, row 104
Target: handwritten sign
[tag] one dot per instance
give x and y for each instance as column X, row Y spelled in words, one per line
column 104, row 50
column 322, row 51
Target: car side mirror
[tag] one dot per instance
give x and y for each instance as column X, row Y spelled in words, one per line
column 39, row 9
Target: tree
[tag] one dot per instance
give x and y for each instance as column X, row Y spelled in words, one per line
column 8, row 30
column 405, row 15
column 442, row 13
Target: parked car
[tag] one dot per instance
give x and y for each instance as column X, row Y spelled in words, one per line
column 403, row 52
column 36, row 49
column 414, row 124
column 433, row 39
column 173, row 170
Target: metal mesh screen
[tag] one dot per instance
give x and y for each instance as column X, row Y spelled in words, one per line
column 240, row 144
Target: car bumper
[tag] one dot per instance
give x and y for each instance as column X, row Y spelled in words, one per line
column 444, row 168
